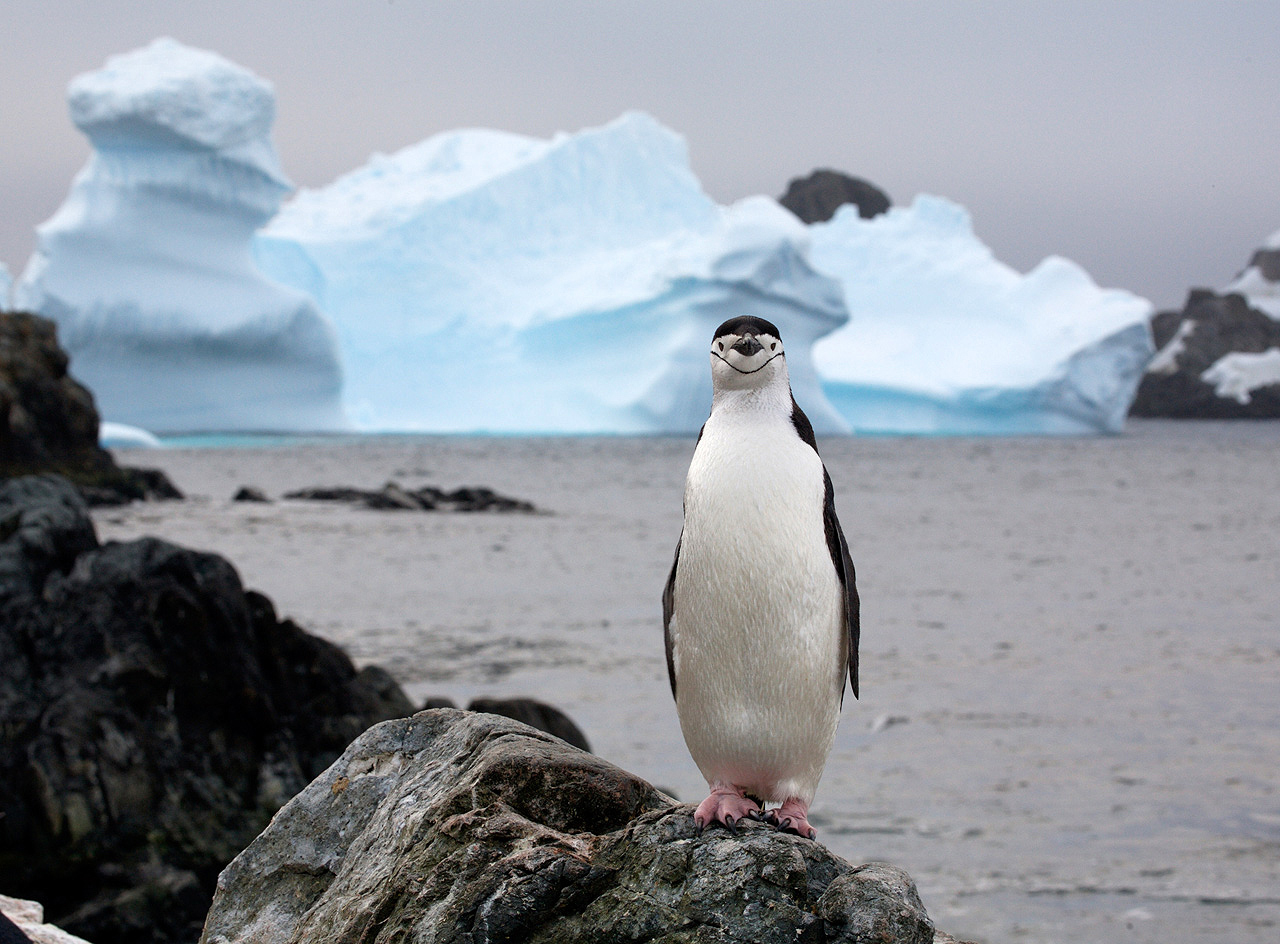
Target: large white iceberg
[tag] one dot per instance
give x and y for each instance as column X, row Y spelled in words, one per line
column 943, row 338
column 147, row 269
column 488, row 281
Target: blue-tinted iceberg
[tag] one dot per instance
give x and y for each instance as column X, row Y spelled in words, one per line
column 147, row 269
column 944, row 338
column 489, row 281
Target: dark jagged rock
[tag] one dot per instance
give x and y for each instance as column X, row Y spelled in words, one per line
column 454, row 826
column 535, row 714
column 816, row 198
column 247, row 493
column 528, row 711
column 48, row 421
column 153, row 716
column 393, row 497
column 1189, row 342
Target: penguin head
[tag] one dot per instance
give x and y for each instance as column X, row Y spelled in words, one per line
column 746, row 354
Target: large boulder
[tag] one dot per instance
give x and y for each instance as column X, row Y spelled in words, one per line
column 153, row 716
column 454, row 826
column 49, row 423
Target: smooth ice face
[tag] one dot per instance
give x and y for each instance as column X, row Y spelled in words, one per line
column 945, row 338
column 483, row 281
column 146, row 266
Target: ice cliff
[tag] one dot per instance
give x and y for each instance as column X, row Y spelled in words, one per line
column 146, row 267
column 489, row 281
column 944, row 338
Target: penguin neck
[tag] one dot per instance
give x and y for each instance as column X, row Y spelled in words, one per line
column 773, row 398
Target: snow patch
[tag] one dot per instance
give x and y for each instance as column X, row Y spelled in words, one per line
column 1238, row 374
column 1166, row 359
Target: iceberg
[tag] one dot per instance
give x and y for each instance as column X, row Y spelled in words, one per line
column 944, row 338
column 120, row 436
column 486, row 281
column 147, row 268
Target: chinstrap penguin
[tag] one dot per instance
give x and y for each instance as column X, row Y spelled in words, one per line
column 760, row 611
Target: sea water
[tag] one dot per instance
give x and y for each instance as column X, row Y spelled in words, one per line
column 1069, row 727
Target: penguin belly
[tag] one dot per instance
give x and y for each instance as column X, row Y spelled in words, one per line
column 758, row 636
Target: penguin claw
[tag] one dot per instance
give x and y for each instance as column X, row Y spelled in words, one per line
column 727, row 806
column 792, row 817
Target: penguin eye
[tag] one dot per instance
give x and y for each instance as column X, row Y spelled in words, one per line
column 721, row 343
column 773, row 346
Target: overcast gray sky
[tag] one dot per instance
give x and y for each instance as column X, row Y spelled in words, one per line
column 1140, row 139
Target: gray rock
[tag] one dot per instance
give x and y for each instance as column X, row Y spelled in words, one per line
column 452, row 827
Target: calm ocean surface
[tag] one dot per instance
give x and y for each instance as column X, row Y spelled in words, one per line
column 1070, row 721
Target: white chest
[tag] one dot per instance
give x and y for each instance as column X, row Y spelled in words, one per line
column 754, row 555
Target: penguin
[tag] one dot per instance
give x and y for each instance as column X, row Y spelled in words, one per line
column 760, row 611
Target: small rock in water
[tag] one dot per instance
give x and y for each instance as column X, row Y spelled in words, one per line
column 247, row 493
column 394, row 497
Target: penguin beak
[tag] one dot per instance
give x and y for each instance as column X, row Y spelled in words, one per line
column 748, row 345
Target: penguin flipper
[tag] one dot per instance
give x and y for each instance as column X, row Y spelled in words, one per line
column 844, row 570
column 668, row 614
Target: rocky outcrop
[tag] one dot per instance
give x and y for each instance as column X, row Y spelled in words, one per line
column 816, row 198
column 26, row 918
column 153, row 716
column 1214, row 361
column 453, row 826
column 394, row 497
column 48, row 421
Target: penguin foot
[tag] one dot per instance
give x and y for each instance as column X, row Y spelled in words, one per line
column 792, row 817
column 726, row 805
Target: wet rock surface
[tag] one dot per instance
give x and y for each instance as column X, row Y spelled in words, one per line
column 49, row 423
column 454, row 826
column 153, row 716
column 393, row 497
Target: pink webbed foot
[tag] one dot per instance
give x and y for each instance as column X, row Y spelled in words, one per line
column 726, row 805
column 792, row 817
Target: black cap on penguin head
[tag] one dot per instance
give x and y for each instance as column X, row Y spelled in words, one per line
column 747, row 323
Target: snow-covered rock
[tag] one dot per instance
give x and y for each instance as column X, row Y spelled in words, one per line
column 1219, row 356
column 1259, row 283
column 944, row 338
column 488, row 281
column 146, row 267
